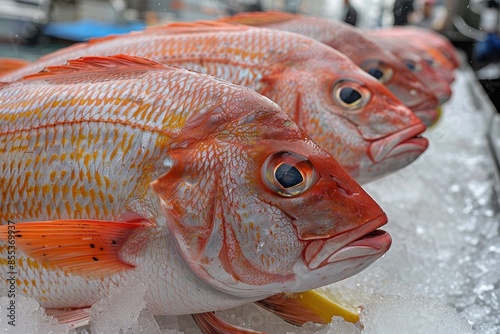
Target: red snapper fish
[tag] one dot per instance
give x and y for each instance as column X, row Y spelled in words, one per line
column 119, row 168
column 419, row 60
column 354, row 43
column 344, row 110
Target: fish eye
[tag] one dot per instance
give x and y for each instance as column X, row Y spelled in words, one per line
column 429, row 61
column 412, row 65
column 288, row 174
column 350, row 94
column 378, row 70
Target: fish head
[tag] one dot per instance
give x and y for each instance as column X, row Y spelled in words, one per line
column 436, row 78
column 256, row 208
column 388, row 69
column 403, row 83
column 430, row 38
column 419, row 62
column 356, row 118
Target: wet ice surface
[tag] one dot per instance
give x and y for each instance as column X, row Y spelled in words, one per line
column 442, row 274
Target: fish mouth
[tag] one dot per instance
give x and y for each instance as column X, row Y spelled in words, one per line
column 363, row 241
column 428, row 116
column 405, row 141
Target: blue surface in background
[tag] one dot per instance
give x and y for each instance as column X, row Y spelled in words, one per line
column 83, row 30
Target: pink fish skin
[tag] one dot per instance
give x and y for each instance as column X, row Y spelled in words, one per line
column 118, row 169
column 423, row 63
column 344, row 110
column 356, row 45
column 435, row 43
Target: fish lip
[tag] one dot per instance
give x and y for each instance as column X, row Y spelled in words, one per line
column 364, row 240
column 397, row 143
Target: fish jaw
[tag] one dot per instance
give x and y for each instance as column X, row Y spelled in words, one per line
column 339, row 257
column 362, row 241
column 397, row 143
column 392, row 153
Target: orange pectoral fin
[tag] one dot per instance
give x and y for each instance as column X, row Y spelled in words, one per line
column 87, row 248
column 75, row 318
column 210, row 323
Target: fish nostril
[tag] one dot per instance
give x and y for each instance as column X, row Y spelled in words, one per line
column 341, row 189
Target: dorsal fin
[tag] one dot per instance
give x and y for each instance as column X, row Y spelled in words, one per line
column 96, row 40
column 97, row 63
column 11, row 64
column 192, row 27
column 259, row 18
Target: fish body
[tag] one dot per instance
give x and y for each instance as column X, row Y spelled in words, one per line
column 356, row 45
column 118, row 169
column 344, row 110
column 423, row 62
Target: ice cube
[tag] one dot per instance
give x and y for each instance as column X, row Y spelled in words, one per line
column 411, row 315
column 120, row 310
column 27, row 317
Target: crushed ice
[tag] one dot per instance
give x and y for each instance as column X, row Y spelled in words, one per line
column 442, row 274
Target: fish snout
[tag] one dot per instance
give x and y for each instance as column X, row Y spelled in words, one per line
column 364, row 241
column 336, row 205
column 404, row 142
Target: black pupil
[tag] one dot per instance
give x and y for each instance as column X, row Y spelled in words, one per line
column 349, row 95
column 376, row 72
column 411, row 65
column 288, row 176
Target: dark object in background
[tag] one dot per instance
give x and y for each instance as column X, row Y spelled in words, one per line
column 231, row 9
column 351, row 16
column 488, row 50
column 492, row 89
column 401, row 10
